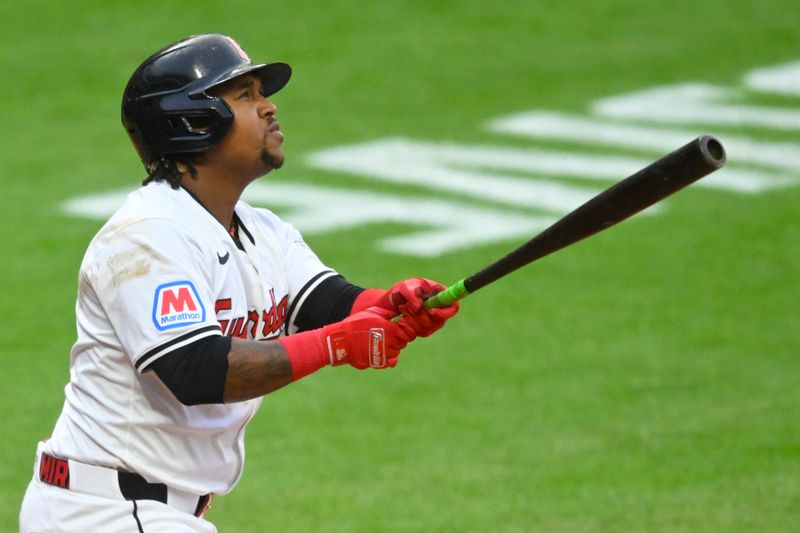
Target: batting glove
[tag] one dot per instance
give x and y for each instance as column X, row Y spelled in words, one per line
column 368, row 298
column 408, row 297
column 367, row 339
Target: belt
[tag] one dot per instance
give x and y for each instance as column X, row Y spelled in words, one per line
column 110, row 483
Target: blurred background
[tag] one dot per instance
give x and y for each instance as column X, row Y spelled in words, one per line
column 644, row 380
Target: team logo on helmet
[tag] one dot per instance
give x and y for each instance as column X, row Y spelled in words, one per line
column 239, row 50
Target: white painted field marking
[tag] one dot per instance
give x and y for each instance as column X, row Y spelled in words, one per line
column 695, row 103
column 465, row 170
column 312, row 209
column 453, row 225
column 779, row 79
column 741, row 150
column 95, row 206
column 474, row 175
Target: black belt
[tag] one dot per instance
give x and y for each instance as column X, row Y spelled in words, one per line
column 135, row 487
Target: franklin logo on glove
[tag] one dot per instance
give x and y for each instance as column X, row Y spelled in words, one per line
column 376, row 355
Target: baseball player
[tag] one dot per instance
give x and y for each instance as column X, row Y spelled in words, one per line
column 192, row 305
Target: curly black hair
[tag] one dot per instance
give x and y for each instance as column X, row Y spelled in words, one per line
column 166, row 169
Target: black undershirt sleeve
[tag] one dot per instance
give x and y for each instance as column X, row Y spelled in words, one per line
column 330, row 302
column 196, row 373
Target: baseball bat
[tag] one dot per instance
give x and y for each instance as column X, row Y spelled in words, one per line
column 639, row 191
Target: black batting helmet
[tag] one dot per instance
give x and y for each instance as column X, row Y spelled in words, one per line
column 167, row 108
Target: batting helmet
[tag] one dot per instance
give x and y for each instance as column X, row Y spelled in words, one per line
column 167, row 108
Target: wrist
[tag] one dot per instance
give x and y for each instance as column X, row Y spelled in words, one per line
column 306, row 352
column 367, row 298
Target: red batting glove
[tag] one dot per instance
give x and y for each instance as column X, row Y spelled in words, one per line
column 408, row 297
column 366, row 299
column 367, row 339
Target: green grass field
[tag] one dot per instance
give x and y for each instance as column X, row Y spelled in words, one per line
column 646, row 379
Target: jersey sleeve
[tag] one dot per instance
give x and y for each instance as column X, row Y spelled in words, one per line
column 305, row 272
column 303, row 269
column 154, row 284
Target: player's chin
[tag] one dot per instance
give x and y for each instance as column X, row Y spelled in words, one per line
column 272, row 158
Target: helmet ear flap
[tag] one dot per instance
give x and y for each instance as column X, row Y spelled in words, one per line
column 138, row 143
column 197, row 128
column 171, row 129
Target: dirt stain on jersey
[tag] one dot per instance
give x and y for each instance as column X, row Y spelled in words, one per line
column 131, row 264
column 136, row 270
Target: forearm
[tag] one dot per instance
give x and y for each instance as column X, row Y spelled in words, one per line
column 221, row 369
column 256, row 368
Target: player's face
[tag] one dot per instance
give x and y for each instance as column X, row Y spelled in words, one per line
column 253, row 144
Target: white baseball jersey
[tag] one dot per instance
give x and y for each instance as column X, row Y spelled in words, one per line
column 162, row 273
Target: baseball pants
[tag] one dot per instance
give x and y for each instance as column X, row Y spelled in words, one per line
column 67, row 496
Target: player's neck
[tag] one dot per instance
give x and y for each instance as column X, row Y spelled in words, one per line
column 219, row 197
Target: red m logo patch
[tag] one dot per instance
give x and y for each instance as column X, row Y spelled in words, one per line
column 177, row 304
column 177, row 301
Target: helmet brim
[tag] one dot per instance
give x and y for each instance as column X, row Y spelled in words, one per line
column 274, row 76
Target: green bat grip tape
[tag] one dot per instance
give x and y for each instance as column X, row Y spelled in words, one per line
column 451, row 294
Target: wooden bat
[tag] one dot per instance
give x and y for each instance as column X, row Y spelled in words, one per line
column 639, row 191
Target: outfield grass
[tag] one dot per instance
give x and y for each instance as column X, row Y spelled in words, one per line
column 645, row 380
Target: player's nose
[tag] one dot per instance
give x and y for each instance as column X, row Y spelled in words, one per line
column 267, row 108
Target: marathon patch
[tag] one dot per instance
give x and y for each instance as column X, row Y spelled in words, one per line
column 177, row 304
